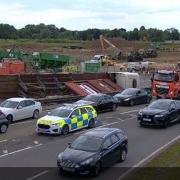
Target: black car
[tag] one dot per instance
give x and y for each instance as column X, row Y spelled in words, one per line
column 4, row 123
column 133, row 96
column 101, row 102
column 160, row 112
column 94, row 150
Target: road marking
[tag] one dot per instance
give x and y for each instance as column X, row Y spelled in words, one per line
column 129, row 112
column 109, row 117
column 143, row 161
column 38, row 175
column 5, row 140
column 20, row 150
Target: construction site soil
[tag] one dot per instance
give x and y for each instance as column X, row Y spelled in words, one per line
column 86, row 50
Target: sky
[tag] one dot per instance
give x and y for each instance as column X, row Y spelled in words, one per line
column 84, row 14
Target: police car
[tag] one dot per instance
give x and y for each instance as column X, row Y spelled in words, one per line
column 67, row 118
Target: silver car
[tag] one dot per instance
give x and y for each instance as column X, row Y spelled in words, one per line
column 20, row 108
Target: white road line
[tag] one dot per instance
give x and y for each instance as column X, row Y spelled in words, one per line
column 5, row 140
column 108, row 117
column 20, row 150
column 129, row 112
column 38, row 175
column 143, row 161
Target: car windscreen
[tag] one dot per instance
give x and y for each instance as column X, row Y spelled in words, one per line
column 129, row 92
column 167, row 77
column 60, row 112
column 160, row 105
column 92, row 98
column 87, row 143
column 9, row 104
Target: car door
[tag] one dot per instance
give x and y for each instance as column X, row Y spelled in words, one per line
column 83, row 118
column 173, row 112
column 107, row 102
column 115, row 147
column 22, row 111
column 177, row 103
column 30, row 107
column 139, row 97
column 101, row 104
column 74, row 119
column 106, row 153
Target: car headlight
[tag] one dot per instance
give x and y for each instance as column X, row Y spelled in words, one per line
column 86, row 162
column 127, row 99
column 60, row 157
column 159, row 116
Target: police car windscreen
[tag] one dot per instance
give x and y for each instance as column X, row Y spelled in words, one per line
column 60, row 112
column 87, row 143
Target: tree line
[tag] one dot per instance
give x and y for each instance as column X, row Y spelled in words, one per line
column 42, row 31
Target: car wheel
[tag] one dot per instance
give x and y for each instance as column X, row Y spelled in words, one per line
column 91, row 123
column 36, row 114
column 3, row 128
column 114, row 107
column 96, row 170
column 131, row 103
column 123, row 155
column 9, row 118
column 65, row 130
column 61, row 172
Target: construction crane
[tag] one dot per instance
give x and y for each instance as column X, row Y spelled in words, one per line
column 118, row 52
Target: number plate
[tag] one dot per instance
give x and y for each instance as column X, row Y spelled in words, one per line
column 68, row 169
column 146, row 119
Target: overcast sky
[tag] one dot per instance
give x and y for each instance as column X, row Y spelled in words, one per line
column 84, row 14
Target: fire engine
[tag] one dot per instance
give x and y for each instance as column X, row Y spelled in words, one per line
column 166, row 84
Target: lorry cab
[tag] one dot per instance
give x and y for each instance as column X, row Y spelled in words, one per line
column 166, row 84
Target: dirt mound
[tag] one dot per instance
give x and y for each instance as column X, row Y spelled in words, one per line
column 118, row 42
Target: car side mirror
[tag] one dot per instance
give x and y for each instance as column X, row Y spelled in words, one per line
column 171, row 109
column 19, row 107
column 73, row 116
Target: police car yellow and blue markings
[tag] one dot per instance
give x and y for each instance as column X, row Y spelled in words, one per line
column 74, row 123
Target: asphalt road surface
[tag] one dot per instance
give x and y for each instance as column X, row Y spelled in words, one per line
column 24, row 155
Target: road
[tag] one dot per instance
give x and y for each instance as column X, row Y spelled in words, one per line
column 34, row 156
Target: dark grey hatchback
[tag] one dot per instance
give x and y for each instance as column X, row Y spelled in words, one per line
column 94, row 150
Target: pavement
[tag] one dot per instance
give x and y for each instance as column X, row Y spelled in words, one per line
column 29, row 156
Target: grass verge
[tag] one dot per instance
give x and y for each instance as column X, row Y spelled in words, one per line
column 166, row 166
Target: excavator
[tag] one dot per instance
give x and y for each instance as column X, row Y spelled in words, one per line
column 109, row 59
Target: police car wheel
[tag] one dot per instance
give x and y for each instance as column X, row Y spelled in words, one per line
column 91, row 124
column 65, row 130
